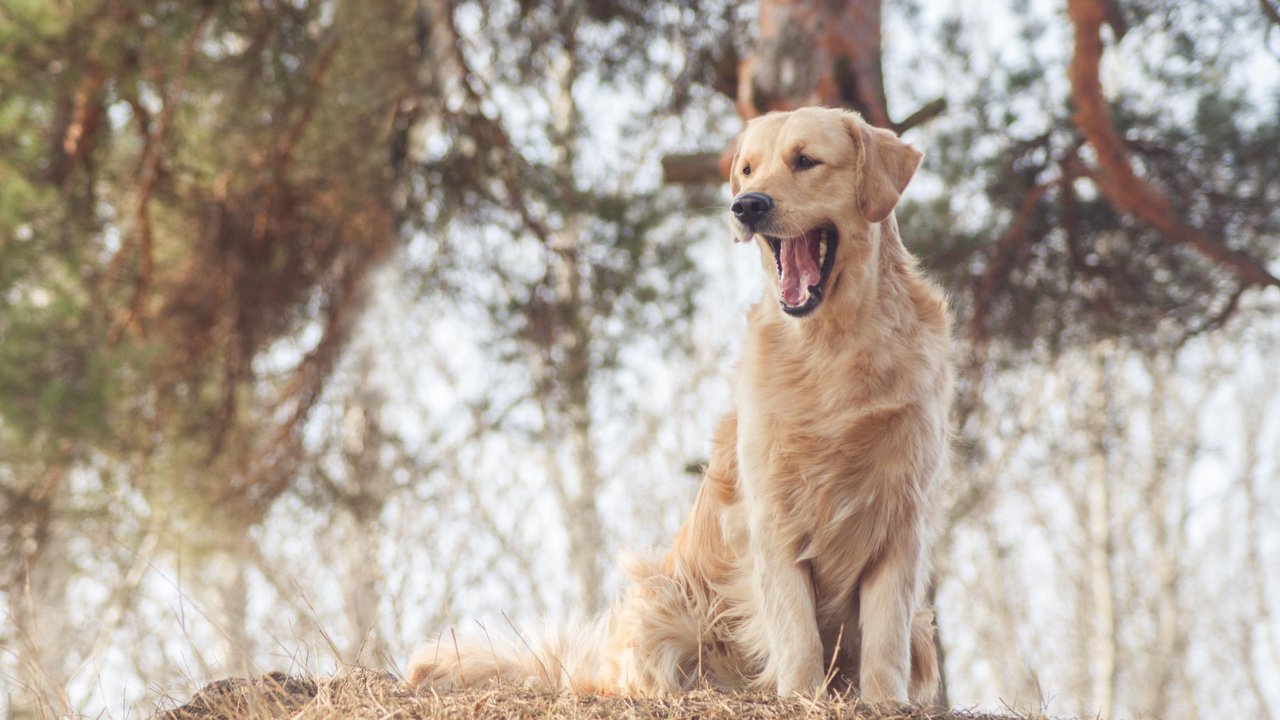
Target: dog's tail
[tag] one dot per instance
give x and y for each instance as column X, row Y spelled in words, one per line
column 555, row 658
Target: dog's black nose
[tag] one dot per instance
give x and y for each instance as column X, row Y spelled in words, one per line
column 750, row 207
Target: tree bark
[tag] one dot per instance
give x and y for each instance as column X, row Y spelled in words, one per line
column 815, row 52
column 806, row 52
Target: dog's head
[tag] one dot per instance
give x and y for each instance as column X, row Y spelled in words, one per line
column 804, row 182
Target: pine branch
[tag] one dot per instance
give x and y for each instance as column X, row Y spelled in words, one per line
column 1115, row 175
column 489, row 131
column 284, row 149
column 131, row 317
column 999, row 257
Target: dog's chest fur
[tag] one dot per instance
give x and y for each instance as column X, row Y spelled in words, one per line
column 834, row 443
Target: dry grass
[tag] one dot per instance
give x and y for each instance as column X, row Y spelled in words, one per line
column 362, row 693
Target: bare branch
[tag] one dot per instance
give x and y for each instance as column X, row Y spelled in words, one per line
column 1270, row 11
column 930, row 111
column 692, row 169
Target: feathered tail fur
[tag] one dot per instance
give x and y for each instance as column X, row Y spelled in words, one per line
column 556, row 658
column 666, row 633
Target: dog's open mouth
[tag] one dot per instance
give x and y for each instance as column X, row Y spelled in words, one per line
column 804, row 264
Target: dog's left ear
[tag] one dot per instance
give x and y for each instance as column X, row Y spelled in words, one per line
column 887, row 165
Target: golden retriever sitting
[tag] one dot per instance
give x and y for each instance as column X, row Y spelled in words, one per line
column 804, row 561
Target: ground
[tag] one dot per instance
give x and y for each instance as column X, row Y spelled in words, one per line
column 363, row 693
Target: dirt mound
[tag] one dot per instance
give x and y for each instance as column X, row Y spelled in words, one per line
column 363, row 693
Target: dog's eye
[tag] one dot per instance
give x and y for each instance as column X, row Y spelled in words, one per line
column 746, row 169
column 804, row 161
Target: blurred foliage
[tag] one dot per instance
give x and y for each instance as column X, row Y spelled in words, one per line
column 187, row 187
column 526, row 215
column 1032, row 249
column 194, row 195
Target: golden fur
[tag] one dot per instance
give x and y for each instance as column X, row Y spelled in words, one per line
column 804, row 561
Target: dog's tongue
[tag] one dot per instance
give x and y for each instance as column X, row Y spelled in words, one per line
column 799, row 259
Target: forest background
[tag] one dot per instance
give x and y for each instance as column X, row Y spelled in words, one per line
column 326, row 325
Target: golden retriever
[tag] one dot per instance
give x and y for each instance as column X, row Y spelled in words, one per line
column 804, row 561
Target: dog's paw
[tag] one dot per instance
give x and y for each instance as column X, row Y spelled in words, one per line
column 884, row 689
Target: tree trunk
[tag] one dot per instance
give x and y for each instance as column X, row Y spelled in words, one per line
column 578, row 504
column 227, row 598
column 360, row 510
column 1259, row 636
column 363, row 587
column 39, row 610
column 1102, row 640
column 815, row 52
column 1167, row 492
column 806, row 52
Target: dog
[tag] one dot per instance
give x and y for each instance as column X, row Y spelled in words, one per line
column 803, row 564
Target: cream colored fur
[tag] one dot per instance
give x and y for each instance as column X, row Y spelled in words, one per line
column 804, row 561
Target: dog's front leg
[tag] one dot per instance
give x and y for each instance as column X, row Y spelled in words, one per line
column 888, row 598
column 786, row 607
column 784, row 610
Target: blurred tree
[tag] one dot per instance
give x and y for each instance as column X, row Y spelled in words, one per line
column 816, row 52
column 1144, row 213
column 193, row 197
column 566, row 254
column 1111, row 551
column 195, row 194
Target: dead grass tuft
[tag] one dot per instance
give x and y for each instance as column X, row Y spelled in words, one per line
column 369, row 694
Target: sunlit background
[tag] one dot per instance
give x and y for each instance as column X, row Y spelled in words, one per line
column 328, row 325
